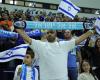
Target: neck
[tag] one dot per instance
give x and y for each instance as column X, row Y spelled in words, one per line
column 87, row 72
column 52, row 41
column 28, row 64
column 68, row 38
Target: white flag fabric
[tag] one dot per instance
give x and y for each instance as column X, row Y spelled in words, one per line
column 68, row 8
column 17, row 52
column 97, row 24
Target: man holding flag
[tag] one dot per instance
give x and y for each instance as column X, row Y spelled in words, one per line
column 52, row 57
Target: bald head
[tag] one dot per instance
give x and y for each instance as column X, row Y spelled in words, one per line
column 51, row 35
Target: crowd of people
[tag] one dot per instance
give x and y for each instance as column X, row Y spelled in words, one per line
column 53, row 54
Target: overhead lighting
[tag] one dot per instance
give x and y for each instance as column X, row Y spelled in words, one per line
column 15, row 2
column 34, row 4
column 30, row 4
column 97, row 12
column 0, row 1
column 11, row 2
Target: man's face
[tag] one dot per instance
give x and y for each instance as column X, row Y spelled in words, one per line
column 51, row 35
column 67, row 34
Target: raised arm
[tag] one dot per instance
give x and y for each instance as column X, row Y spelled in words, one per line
column 84, row 36
column 26, row 38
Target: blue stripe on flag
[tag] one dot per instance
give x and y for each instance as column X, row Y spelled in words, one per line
column 99, row 18
column 15, row 48
column 12, row 56
column 66, row 12
column 71, row 5
column 18, row 47
column 98, row 28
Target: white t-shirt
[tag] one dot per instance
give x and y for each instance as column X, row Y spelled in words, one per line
column 52, row 58
column 28, row 75
column 86, row 76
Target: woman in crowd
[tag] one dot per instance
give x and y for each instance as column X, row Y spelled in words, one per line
column 93, row 55
column 86, row 72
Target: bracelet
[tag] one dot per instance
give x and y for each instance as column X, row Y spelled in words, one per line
column 92, row 31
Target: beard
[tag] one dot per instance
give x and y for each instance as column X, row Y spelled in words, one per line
column 51, row 39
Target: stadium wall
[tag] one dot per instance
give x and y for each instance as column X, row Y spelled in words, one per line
column 80, row 3
column 12, row 7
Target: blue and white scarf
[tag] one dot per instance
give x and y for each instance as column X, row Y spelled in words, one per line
column 24, row 73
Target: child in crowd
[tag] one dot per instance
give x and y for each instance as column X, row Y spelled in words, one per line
column 26, row 71
column 86, row 72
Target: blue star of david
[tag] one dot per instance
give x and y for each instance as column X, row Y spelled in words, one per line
column 69, row 8
column 9, row 53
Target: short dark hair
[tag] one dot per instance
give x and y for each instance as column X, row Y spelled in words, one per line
column 30, row 52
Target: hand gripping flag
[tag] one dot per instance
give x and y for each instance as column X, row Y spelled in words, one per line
column 97, row 24
column 17, row 52
column 68, row 8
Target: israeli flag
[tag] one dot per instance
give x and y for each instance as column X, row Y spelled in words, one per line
column 97, row 24
column 17, row 52
column 68, row 8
